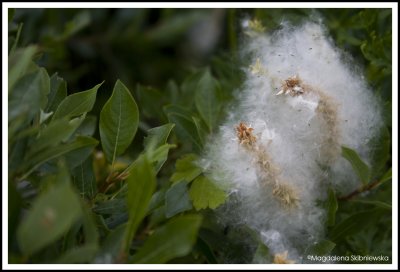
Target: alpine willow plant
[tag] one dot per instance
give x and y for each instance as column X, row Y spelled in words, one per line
column 278, row 150
column 279, row 153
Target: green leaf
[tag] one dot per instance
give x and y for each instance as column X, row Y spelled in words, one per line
column 83, row 178
column 56, row 132
column 18, row 63
column 188, row 87
column 262, row 255
column 110, row 248
column 376, row 203
column 186, row 169
column 82, row 254
column 159, row 156
column 177, row 199
column 113, row 206
column 201, row 128
column 141, row 186
column 205, row 194
column 380, row 151
column 155, row 144
column 58, row 92
column 359, row 166
column 355, row 223
column 80, row 21
column 57, row 151
column 29, row 95
column 208, row 99
column 387, row 176
column 331, row 206
column 157, row 136
column 174, row 239
column 150, row 101
column 76, row 157
column 321, row 248
column 119, row 120
column 185, row 127
column 77, row 103
column 88, row 126
column 51, row 215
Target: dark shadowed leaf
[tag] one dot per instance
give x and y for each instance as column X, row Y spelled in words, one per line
column 58, row 92
column 57, row 151
column 29, row 95
column 185, row 127
column 355, row 223
column 18, row 63
column 177, row 199
column 331, row 206
column 321, row 248
column 83, row 178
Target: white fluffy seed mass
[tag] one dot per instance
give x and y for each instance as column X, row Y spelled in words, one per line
column 323, row 102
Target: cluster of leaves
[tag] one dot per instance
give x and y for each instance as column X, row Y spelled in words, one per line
column 100, row 178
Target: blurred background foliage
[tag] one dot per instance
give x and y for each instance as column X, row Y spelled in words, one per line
column 161, row 55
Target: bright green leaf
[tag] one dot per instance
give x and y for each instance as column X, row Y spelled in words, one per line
column 157, row 136
column 205, row 194
column 51, row 215
column 77, row 103
column 186, row 169
column 359, row 166
column 141, row 186
column 207, row 99
column 177, row 199
column 174, row 239
column 119, row 120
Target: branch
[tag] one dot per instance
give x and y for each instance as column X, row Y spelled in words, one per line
column 363, row 189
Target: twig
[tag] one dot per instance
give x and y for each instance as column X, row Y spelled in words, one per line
column 363, row 189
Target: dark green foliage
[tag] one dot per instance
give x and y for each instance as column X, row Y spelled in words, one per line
column 108, row 174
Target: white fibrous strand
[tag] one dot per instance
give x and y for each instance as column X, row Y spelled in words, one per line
column 279, row 150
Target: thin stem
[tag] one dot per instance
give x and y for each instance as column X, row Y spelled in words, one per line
column 360, row 190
